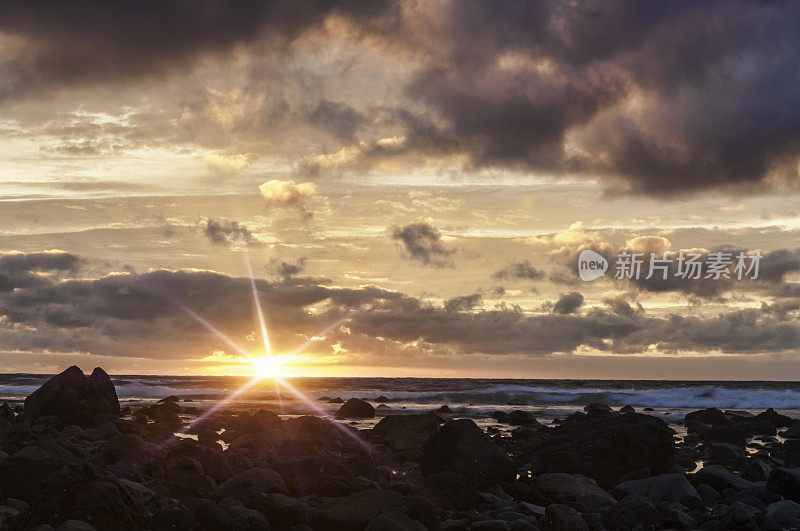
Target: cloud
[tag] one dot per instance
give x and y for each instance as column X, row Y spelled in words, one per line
column 568, row 303
column 422, row 242
column 284, row 268
column 463, row 303
column 25, row 270
column 288, row 194
column 222, row 231
column 145, row 316
column 228, row 163
column 520, row 270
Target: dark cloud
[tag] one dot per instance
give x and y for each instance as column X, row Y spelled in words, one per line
column 568, row 303
column 96, row 41
column 519, row 271
column 463, row 303
column 221, row 231
column 25, row 270
column 284, row 268
column 147, row 316
column 422, row 242
column 339, row 118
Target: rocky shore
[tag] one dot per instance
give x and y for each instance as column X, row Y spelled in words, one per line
column 72, row 459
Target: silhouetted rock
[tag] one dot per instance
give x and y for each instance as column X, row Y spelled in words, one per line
column 460, row 445
column 710, row 416
column 405, row 434
column 521, row 418
column 607, row 448
column 73, row 397
column 356, row 408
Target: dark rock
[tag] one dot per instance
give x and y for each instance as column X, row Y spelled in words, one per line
column 661, row 488
column 786, row 482
column 640, row 473
column 723, row 434
column 170, row 398
column 729, row 455
column 579, row 492
column 793, row 432
column 73, row 397
column 559, row 517
column 444, row 409
column 174, row 519
column 357, row 510
column 452, row 489
column 356, row 408
column 7, row 414
column 776, row 419
column 382, row 399
column 791, row 453
column 721, row 478
column 405, row 434
column 608, row 448
column 757, row 469
column 260, row 421
column 337, row 486
column 632, row 512
column 709, row 494
column 784, row 514
column 336, row 400
column 213, row 516
column 597, row 406
column 500, row 416
column 394, row 522
column 521, row 418
column 254, row 481
column 627, row 409
column 711, row 417
column 460, row 445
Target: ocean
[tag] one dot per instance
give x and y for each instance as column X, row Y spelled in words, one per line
column 466, row 397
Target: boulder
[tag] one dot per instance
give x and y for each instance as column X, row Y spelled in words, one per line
column 757, row 469
column 73, row 398
column 784, row 514
column 521, row 418
column 260, row 421
column 250, row 482
column 357, row 510
column 453, row 489
column 577, row 491
column 632, row 512
column 394, row 522
column 605, row 449
column 405, row 434
column 559, row 517
column 776, row 419
column 786, row 482
column 721, row 478
column 711, row 417
column 661, row 488
column 355, row 408
column 460, row 445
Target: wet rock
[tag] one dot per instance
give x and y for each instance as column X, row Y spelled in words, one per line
column 786, row 482
column 757, row 469
column 559, row 517
column 453, row 489
column 394, row 522
column 73, row 398
column 721, row 478
column 784, row 514
column 251, row 482
column 260, row 421
column 723, row 434
column 776, row 419
column 405, row 434
column 632, row 512
column 577, row 491
column 460, row 445
column 357, row 510
column 522, row 418
column 356, row 408
column 661, row 488
column 711, row 417
column 608, row 448
column 729, row 455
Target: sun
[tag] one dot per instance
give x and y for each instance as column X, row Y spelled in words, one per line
column 267, row 366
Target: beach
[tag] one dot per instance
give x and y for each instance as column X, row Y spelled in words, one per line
column 146, row 452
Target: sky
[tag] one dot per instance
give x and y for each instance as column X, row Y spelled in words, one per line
column 409, row 185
